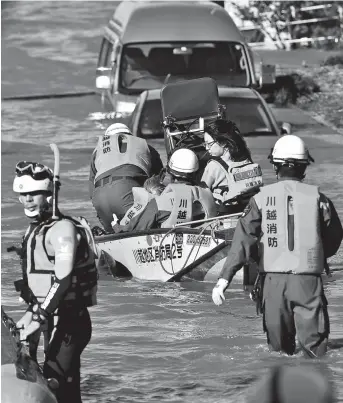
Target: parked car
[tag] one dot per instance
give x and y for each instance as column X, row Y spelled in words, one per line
column 147, row 44
column 245, row 106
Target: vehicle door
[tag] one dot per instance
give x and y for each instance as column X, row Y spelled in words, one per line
column 106, row 72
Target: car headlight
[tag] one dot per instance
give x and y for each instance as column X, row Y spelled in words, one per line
column 125, row 107
column 103, row 83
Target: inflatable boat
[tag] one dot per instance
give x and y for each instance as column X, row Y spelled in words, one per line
column 173, row 254
column 22, row 380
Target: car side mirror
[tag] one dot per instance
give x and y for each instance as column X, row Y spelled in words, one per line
column 267, row 74
column 103, row 78
column 286, row 128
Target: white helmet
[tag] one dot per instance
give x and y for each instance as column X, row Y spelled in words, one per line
column 292, row 149
column 32, row 177
column 183, row 163
column 117, row 128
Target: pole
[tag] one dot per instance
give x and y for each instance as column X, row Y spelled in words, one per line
column 56, row 181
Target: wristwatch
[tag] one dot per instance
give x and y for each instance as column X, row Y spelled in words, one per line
column 37, row 318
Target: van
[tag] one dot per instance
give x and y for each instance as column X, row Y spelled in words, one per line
column 149, row 44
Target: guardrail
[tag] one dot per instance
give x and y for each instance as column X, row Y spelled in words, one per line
column 277, row 40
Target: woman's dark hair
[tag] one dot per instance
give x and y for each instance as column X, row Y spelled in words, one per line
column 227, row 134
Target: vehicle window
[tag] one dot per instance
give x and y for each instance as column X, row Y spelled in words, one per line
column 150, row 122
column 249, row 115
column 148, row 66
column 106, row 54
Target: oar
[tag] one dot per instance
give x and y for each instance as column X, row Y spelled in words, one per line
column 48, row 96
column 56, row 181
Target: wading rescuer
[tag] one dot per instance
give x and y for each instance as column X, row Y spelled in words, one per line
column 230, row 174
column 181, row 201
column 59, row 279
column 119, row 162
column 295, row 228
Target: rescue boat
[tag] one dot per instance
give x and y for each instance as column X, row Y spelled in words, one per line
column 172, row 254
column 22, row 380
column 195, row 250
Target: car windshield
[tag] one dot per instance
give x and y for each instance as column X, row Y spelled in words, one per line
column 249, row 115
column 149, row 66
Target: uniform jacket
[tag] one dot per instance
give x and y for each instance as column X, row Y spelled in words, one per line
column 126, row 169
column 248, row 233
column 227, row 180
column 159, row 209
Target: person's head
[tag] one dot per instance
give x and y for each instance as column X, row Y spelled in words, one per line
column 182, row 165
column 290, row 157
column 223, row 136
column 33, row 182
column 153, row 185
column 294, row 384
column 117, row 128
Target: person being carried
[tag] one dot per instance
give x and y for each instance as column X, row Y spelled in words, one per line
column 142, row 195
column 295, row 228
column 59, row 270
column 181, row 201
column 230, row 174
column 119, row 162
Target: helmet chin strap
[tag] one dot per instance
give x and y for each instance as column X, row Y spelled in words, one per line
column 31, row 214
column 42, row 213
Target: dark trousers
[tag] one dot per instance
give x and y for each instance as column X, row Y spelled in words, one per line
column 115, row 197
column 63, row 359
column 295, row 305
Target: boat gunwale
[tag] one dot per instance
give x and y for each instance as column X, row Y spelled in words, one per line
column 162, row 231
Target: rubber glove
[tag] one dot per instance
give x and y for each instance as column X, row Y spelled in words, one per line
column 31, row 328
column 25, row 320
column 218, row 291
column 115, row 220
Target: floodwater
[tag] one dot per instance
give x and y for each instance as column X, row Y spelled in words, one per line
column 151, row 341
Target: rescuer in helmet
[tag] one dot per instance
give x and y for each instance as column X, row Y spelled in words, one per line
column 119, row 162
column 59, row 280
column 181, row 201
column 295, row 228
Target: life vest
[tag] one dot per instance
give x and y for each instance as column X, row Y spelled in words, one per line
column 242, row 178
column 141, row 198
column 186, row 203
column 276, row 202
column 39, row 266
column 109, row 156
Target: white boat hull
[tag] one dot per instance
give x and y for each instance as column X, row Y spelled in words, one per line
column 167, row 255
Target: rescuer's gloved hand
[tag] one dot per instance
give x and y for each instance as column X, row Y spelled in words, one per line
column 115, row 220
column 218, row 291
column 25, row 320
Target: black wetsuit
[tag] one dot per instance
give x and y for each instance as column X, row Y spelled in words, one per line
column 62, row 362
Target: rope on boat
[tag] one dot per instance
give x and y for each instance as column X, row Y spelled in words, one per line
column 199, row 236
column 12, row 327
